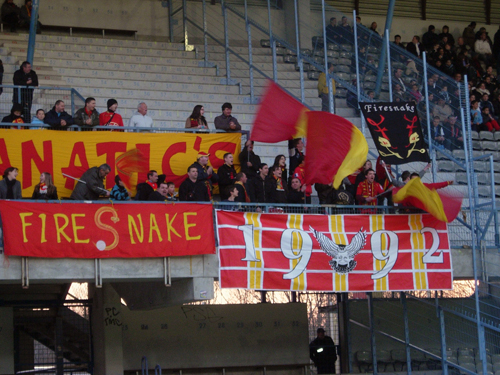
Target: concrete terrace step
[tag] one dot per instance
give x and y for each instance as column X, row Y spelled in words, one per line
column 171, row 95
column 93, row 41
column 141, row 76
column 84, row 49
column 158, row 86
column 119, row 58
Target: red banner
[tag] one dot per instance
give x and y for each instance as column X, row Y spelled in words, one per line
column 339, row 253
column 128, row 230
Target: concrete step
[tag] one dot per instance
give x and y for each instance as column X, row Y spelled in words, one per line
column 140, row 76
column 45, row 38
column 153, row 86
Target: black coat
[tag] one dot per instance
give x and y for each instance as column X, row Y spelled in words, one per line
column 253, row 171
column 144, row 190
column 52, row 119
column 190, row 191
column 323, row 359
column 38, row 195
column 156, row 197
column 257, row 189
column 91, row 189
column 227, row 177
column 274, row 195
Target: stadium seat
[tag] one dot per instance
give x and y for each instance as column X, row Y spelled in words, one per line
column 474, row 135
column 496, row 136
column 496, row 367
column 484, row 191
column 313, row 75
column 466, row 352
column 345, row 54
column 459, row 154
column 483, row 178
column 417, row 359
column 399, row 358
column 344, row 61
column 486, row 145
column 479, row 366
column 461, row 178
column 497, row 191
column 334, row 61
column 365, row 360
column 469, row 366
column 383, row 359
column 346, row 47
column 481, row 166
column 446, row 166
column 343, row 68
column 333, row 47
column 486, row 135
column 290, row 59
column 495, row 358
column 477, row 145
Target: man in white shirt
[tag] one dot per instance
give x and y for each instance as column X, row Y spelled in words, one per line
column 141, row 119
column 483, row 49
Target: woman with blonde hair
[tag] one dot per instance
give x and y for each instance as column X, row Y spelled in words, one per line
column 46, row 188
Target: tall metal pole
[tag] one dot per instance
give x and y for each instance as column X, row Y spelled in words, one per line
column 358, row 78
column 389, row 75
column 33, row 26
column 442, row 329
column 371, row 317
column 170, row 20
column 388, row 23
column 250, row 56
column 299, row 57
column 428, row 114
column 184, row 24
column 205, row 37
column 331, row 108
column 407, row 333
column 273, row 42
column 226, row 41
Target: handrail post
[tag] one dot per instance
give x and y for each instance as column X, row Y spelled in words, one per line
column 387, row 43
column 407, row 333
column 205, row 38
column 184, row 24
column 170, row 21
column 428, row 114
column 493, row 201
column 273, row 42
column 226, row 41
column 331, row 106
column 442, row 329
column 299, row 58
column 371, row 316
column 250, row 56
column 33, row 26
column 388, row 23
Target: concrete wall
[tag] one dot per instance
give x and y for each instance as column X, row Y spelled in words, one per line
column 198, row 336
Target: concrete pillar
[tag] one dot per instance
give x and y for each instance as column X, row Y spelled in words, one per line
column 6, row 340
column 107, row 324
column 304, row 12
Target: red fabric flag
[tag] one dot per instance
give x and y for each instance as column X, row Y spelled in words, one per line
column 443, row 206
column 336, row 148
column 127, row 164
column 279, row 117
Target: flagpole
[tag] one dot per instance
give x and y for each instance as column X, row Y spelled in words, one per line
column 427, row 111
column 83, row 182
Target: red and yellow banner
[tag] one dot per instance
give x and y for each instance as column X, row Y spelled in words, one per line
column 36, row 151
column 339, row 253
column 128, row 230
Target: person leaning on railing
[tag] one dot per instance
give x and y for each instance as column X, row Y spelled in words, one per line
column 58, row 118
column 226, row 121
column 10, row 188
column 46, row 188
column 323, row 88
column 88, row 115
column 196, row 119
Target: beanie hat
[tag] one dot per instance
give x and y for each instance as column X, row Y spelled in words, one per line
column 111, row 102
column 17, row 107
column 117, row 179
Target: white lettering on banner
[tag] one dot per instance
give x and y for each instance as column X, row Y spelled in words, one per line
column 304, row 249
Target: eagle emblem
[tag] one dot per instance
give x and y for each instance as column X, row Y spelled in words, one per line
column 343, row 255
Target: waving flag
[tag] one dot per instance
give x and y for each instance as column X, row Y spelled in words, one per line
column 336, row 149
column 442, row 206
column 129, row 164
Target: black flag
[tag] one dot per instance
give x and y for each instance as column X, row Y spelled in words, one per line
column 396, row 131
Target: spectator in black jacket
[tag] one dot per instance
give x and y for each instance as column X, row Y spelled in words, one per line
column 193, row 190
column 25, row 76
column 249, row 161
column 46, row 188
column 145, row 189
column 227, row 175
column 10, row 14
column 430, row 38
column 57, row 118
column 276, row 188
column 257, row 186
column 160, row 195
column 205, row 172
column 91, row 184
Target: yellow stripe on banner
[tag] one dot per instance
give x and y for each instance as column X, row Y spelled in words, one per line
column 295, row 222
column 417, row 242
column 339, row 237
column 255, row 279
column 377, row 223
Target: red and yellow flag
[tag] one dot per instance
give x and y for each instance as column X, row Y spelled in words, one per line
column 336, row 148
column 442, row 206
column 279, row 117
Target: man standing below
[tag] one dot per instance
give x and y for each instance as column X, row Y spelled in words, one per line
column 322, row 353
column 398, row 79
column 323, row 88
column 88, row 115
column 276, row 188
column 25, row 76
column 91, row 184
column 141, row 120
column 193, row 190
column 415, row 47
column 249, row 161
column 145, row 189
column 227, row 175
column 205, row 172
column 257, row 186
column 110, row 117
column 226, row 121
column 453, row 134
column 160, row 195
column 57, row 118
column 368, row 191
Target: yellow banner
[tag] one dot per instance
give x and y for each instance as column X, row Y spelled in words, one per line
column 56, row 152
